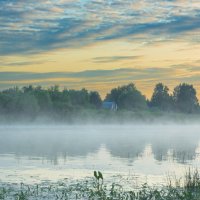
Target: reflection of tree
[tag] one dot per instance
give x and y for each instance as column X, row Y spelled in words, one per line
column 47, row 144
column 50, row 144
column 182, row 147
column 124, row 143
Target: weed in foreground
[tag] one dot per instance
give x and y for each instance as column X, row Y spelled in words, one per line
column 96, row 189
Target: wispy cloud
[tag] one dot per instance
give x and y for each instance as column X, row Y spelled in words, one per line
column 104, row 80
column 20, row 63
column 107, row 59
column 89, row 76
column 31, row 27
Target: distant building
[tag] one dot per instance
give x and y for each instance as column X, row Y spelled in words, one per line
column 109, row 105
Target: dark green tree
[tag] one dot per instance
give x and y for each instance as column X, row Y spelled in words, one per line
column 79, row 97
column 127, row 97
column 161, row 98
column 95, row 99
column 43, row 99
column 28, row 105
column 185, row 98
column 27, row 89
column 9, row 100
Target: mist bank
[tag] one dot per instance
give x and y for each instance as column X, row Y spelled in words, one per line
column 102, row 117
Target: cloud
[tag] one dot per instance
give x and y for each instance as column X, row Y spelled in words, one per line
column 20, row 63
column 104, row 80
column 192, row 79
column 107, row 59
column 32, row 27
column 129, row 74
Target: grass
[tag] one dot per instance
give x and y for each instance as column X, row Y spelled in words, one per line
column 95, row 189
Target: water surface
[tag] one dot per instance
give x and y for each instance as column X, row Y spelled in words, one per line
column 133, row 152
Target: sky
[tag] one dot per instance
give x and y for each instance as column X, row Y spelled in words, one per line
column 100, row 44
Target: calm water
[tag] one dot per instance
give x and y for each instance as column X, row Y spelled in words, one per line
column 134, row 153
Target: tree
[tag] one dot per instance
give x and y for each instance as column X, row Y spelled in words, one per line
column 43, row 99
column 127, row 97
column 161, row 98
column 79, row 97
column 95, row 99
column 28, row 105
column 185, row 99
column 28, row 89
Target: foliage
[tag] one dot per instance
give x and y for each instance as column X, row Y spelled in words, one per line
column 161, row 98
column 127, row 97
column 185, row 99
column 95, row 99
column 30, row 102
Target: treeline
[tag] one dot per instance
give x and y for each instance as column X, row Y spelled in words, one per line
column 183, row 99
column 30, row 102
column 36, row 101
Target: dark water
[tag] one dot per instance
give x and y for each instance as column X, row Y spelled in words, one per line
column 144, row 152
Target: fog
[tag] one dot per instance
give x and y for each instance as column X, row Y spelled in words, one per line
column 105, row 118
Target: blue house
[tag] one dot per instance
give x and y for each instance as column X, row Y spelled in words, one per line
column 109, row 105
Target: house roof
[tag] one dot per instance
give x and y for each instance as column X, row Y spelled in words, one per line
column 108, row 104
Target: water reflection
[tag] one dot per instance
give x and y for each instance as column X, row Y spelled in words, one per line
column 177, row 143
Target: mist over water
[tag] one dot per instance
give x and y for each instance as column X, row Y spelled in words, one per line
column 150, row 152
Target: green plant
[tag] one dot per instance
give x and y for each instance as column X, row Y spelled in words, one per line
column 99, row 180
